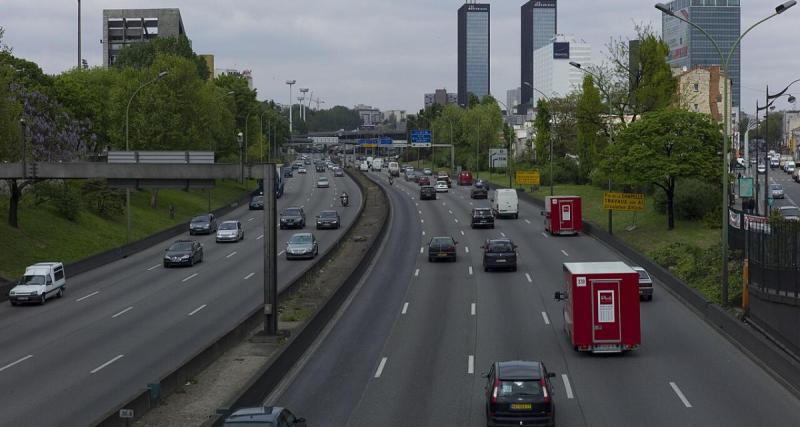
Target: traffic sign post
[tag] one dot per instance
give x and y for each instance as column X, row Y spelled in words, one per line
column 531, row 177
column 630, row 202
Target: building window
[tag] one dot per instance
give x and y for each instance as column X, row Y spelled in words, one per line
column 696, row 87
column 696, row 108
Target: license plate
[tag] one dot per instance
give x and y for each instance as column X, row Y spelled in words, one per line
column 522, row 406
column 501, row 260
column 442, row 255
column 22, row 298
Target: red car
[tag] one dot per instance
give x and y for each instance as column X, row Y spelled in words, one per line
column 424, row 180
column 465, row 178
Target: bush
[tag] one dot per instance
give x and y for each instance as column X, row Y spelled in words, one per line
column 699, row 268
column 564, row 172
column 694, row 200
column 63, row 196
column 101, row 199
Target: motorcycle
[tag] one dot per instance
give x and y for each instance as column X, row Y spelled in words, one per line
column 345, row 201
column 391, row 181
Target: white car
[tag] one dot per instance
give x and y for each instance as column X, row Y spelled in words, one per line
column 302, row 170
column 230, row 231
column 40, row 281
column 441, row 186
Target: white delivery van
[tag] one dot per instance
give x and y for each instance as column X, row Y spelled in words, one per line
column 394, row 169
column 364, row 167
column 505, row 203
column 377, row 164
column 369, row 160
column 41, row 281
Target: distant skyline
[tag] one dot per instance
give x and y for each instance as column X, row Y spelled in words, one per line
column 377, row 52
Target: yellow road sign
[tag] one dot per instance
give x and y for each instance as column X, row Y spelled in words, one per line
column 528, row 177
column 623, row 201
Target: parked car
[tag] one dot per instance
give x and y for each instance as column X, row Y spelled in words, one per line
column 424, row 180
column 519, row 393
column 183, row 252
column 442, row 248
column 479, row 191
column 257, row 203
column 465, row 178
column 482, row 217
column 645, row 284
column 40, row 281
column 203, row 224
column 777, row 191
column 499, row 253
column 302, row 245
column 441, row 187
column 791, row 213
column 293, row 217
column 230, row 231
column 263, row 416
column 328, row 219
column 796, row 175
column 322, row 182
column 426, row 192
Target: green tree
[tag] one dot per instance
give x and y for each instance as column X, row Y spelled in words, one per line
column 85, row 93
column 661, row 148
column 332, row 119
column 589, row 117
column 542, row 126
column 143, row 55
column 655, row 87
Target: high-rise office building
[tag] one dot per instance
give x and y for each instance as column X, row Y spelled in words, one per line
column 122, row 27
column 688, row 47
column 473, row 51
column 537, row 29
column 553, row 74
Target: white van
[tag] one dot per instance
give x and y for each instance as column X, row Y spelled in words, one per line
column 394, row 169
column 364, row 167
column 377, row 164
column 505, row 203
column 41, row 281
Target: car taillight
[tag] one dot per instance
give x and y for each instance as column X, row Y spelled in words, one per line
column 544, row 391
column 494, row 392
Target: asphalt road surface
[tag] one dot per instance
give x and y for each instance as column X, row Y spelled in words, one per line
column 131, row 322
column 410, row 348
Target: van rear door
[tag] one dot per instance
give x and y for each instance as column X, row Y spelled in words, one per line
column 566, row 216
column 606, row 322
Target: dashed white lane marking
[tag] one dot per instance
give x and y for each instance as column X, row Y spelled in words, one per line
column 122, row 312
column 281, row 253
column 472, row 309
column 466, row 249
column 16, row 363
column 564, row 252
column 470, row 270
column 471, row 364
column 87, row 296
column 95, row 370
column 423, row 232
column 197, row 309
column 405, row 308
column 189, row 277
column 451, row 212
column 380, row 368
column 230, row 254
column 567, row 386
column 503, row 234
column 154, row 267
column 416, row 204
column 680, row 395
column 462, row 232
column 455, row 219
column 250, row 219
column 260, row 237
column 249, row 276
column 545, row 234
column 528, row 276
column 422, row 221
column 527, row 221
column 546, row 319
column 444, row 204
column 416, row 273
column 470, row 203
column 420, row 212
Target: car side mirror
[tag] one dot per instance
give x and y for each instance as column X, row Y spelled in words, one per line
column 560, row 296
column 541, row 213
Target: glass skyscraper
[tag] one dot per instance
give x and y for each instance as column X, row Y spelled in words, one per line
column 537, row 30
column 688, row 47
column 473, row 51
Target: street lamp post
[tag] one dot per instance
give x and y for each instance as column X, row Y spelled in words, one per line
column 241, row 165
column 291, row 105
column 261, row 134
column 725, row 62
column 246, row 134
column 79, row 34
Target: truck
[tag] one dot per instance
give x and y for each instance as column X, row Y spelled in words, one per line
column 562, row 215
column 394, row 169
column 601, row 306
column 40, row 282
column 377, row 164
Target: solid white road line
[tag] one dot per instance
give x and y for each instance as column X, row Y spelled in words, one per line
column 528, row 276
column 250, row 219
column 95, row 370
column 680, row 395
column 545, row 234
column 527, row 221
column 197, row 309
column 281, row 253
column 472, row 309
column 189, row 277
column 122, row 312
column 466, row 249
column 416, row 273
column 546, row 319
column 231, row 254
column 260, row 237
column 15, row 363
column 567, row 386
column 87, row 296
column 422, row 249
column 380, row 368
column 470, row 270
column 249, row 276
column 471, row 364
column 154, row 267
column 405, row 308
column 564, row 252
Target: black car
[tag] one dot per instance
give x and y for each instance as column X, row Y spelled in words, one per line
column 442, row 248
column 427, row 192
column 257, row 203
column 499, row 253
column 271, row 416
column 519, row 393
column 183, row 252
column 482, row 217
column 203, row 224
column 328, row 219
column 320, row 168
column 479, row 191
column 293, row 217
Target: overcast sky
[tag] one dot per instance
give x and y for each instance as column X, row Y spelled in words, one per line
column 377, row 52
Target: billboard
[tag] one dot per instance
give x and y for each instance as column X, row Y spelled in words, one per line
column 677, row 35
column 623, row 201
column 561, row 50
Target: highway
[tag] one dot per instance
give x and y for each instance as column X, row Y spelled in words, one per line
column 131, row 322
column 412, row 344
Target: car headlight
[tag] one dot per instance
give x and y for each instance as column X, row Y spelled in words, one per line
column 12, row 293
column 184, row 256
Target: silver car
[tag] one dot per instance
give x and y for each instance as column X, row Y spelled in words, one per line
column 302, row 245
column 777, row 191
column 323, row 182
column 230, row 231
column 790, row 213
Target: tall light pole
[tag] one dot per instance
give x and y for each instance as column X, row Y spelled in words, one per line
column 725, row 63
column 290, row 83
column 304, row 91
column 128, row 148
column 239, row 139
column 261, row 133
column 79, row 34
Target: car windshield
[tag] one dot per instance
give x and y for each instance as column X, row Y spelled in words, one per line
column 323, row 179
column 182, row 246
column 790, row 211
column 482, row 212
column 292, row 212
column 300, row 239
column 228, row 226
column 777, row 187
column 498, row 247
column 200, row 219
column 519, row 388
column 33, row 280
column 441, row 241
column 441, row 183
column 327, row 214
column 258, row 199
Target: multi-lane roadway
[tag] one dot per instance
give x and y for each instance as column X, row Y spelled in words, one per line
column 410, row 347
column 130, row 322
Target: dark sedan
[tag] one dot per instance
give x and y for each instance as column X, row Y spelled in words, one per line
column 293, row 218
column 482, row 217
column 499, row 253
column 329, row 220
column 442, row 248
column 203, row 224
column 427, row 192
column 257, row 203
column 479, row 191
column 183, row 252
column 519, row 393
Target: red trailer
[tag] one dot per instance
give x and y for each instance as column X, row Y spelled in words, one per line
column 562, row 215
column 601, row 313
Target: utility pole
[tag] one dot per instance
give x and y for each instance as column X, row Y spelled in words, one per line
column 270, row 252
column 291, row 105
column 79, row 34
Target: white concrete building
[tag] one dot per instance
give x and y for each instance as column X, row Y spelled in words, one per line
column 552, row 73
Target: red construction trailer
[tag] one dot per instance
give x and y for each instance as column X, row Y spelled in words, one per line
column 562, row 215
column 601, row 312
